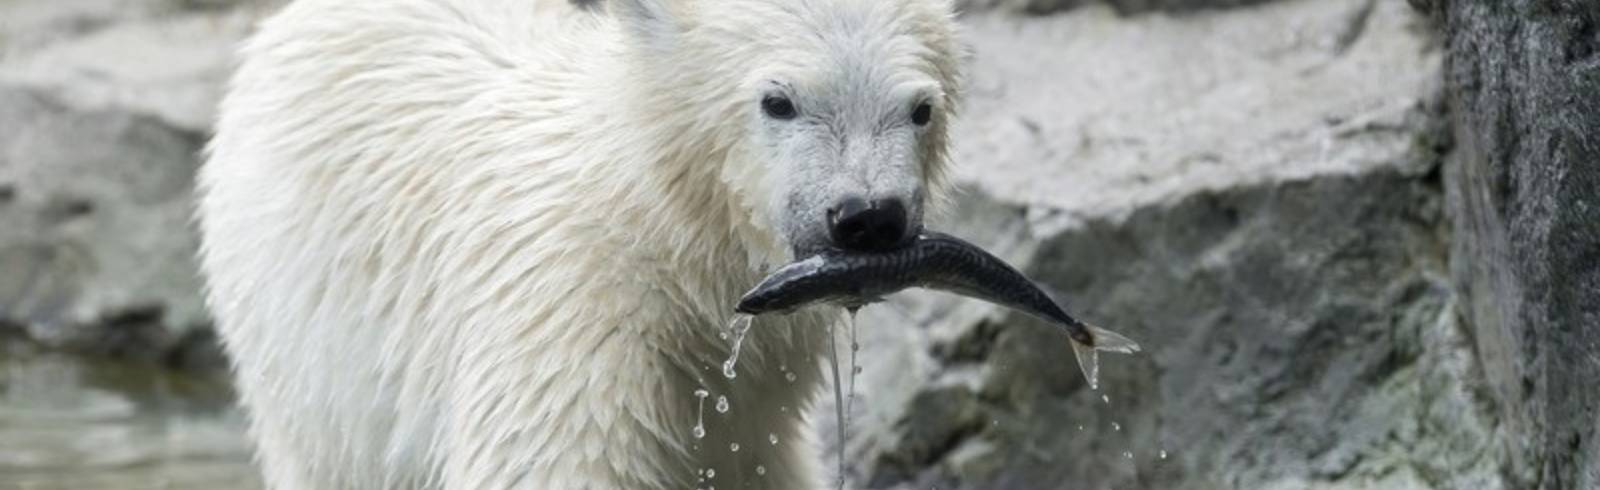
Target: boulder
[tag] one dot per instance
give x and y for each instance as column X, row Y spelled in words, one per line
column 95, row 233
column 1256, row 195
column 1523, row 188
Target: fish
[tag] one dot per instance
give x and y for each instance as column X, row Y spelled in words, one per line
column 932, row 260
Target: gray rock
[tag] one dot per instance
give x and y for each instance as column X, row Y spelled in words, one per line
column 1524, row 194
column 171, row 67
column 1271, row 226
column 1126, row 7
column 95, row 236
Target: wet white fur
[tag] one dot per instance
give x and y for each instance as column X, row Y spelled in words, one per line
column 476, row 244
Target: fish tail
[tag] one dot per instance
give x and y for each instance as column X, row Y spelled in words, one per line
column 1110, row 341
column 1088, row 355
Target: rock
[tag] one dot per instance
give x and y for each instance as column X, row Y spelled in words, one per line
column 1126, row 7
column 1270, row 225
column 95, row 230
column 104, row 105
column 172, row 67
column 1524, row 198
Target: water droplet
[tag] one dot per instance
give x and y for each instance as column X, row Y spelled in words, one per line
column 1127, row 454
column 789, row 376
column 1116, row 426
column 1106, row 398
column 734, row 447
column 1162, row 454
column 1080, row 427
column 722, row 404
column 784, row 408
column 772, row 438
column 711, row 473
column 700, row 414
column 761, row 470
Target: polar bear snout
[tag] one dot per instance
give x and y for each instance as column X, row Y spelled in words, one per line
column 868, row 226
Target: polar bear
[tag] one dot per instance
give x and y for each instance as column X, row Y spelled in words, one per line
column 474, row 244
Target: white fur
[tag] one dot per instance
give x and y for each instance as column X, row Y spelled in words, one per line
column 477, row 244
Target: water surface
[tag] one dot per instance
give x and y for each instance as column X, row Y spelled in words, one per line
column 81, row 423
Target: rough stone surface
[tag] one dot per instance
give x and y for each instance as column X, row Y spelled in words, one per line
column 94, row 227
column 1126, row 7
column 104, row 105
column 1524, row 194
column 170, row 66
column 1269, row 223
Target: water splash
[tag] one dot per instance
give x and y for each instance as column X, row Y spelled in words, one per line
column 711, row 472
column 1106, row 398
column 761, row 470
column 1116, row 426
column 772, row 438
column 1162, row 454
column 1127, row 454
column 700, row 418
column 855, row 369
column 722, row 404
column 734, row 447
column 740, row 325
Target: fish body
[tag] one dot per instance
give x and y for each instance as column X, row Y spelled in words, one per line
column 932, row 261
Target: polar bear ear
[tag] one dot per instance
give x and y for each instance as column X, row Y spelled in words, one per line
column 654, row 23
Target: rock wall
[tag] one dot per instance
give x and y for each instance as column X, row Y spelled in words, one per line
column 104, row 107
column 1256, row 194
column 1524, row 195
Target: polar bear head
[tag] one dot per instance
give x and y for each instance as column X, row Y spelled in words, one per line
column 834, row 114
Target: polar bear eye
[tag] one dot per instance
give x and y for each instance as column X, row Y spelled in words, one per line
column 922, row 114
column 778, row 107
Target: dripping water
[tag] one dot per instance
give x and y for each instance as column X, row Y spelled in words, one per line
column 838, row 396
column 740, row 325
column 855, row 369
column 700, row 417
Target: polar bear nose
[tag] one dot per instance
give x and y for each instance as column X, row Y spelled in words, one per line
column 858, row 225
